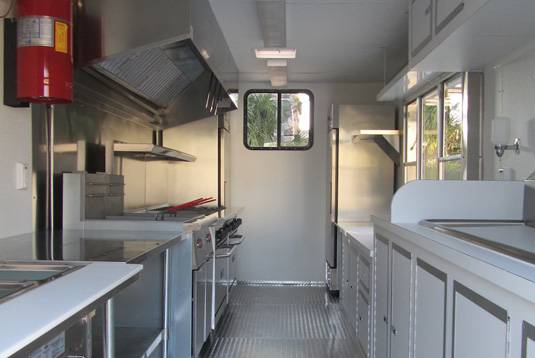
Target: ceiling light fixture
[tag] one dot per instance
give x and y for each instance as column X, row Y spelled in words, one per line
column 276, row 53
column 277, row 63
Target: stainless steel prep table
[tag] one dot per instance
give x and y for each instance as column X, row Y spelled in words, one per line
column 165, row 282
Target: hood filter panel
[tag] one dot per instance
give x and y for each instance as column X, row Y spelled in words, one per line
column 158, row 74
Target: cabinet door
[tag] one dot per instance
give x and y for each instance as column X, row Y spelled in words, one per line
column 353, row 279
column 528, row 340
column 364, row 273
column 446, row 10
column 401, row 302
column 479, row 325
column 363, row 321
column 421, row 24
column 430, row 311
column 344, row 297
column 382, row 328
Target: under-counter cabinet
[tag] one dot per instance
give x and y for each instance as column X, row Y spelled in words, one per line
column 430, row 301
column 356, row 291
column 428, row 305
column 421, row 24
column 363, row 321
column 401, row 299
column 528, row 340
column 350, row 281
column 480, row 327
column 382, row 323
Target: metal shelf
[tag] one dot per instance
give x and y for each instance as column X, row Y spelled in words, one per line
column 379, row 136
column 150, row 152
column 137, row 342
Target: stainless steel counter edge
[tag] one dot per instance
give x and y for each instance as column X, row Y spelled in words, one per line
column 158, row 250
column 346, row 229
column 507, row 272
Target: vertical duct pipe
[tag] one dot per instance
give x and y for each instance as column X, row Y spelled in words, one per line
column 49, row 215
column 157, row 137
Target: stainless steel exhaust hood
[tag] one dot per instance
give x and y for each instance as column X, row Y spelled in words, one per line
column 168, row 55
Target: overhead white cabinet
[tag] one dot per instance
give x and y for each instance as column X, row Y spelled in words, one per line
column 401, row 302
column 446, row 10
column 382, row 323
column 430, row 311
column 480, row 326
column 421, row 24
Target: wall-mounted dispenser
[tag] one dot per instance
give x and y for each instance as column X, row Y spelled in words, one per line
column 501, row 131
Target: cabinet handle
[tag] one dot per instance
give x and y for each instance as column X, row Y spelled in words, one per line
column 394, row 331
column 360, row 318
column 428, row 10
column 385, row 319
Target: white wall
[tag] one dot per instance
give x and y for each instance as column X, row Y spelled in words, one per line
column 285, row 193
column 516, row 76
column 15, row 146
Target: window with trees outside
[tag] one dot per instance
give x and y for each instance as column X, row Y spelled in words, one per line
column 433, row 138
column 278, row 120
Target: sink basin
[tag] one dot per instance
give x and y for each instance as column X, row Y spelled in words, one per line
column 17, row 278
column 511, row 238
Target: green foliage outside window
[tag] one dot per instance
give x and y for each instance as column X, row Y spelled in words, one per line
column 262, row 120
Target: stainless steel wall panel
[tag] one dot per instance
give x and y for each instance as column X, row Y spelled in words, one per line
column 98, row 117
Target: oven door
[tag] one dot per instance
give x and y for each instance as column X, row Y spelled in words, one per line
column 221, row 279
column 234, row 241
column 199, row 309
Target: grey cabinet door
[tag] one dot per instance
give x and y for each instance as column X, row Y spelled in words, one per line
column 430, row 311
column 382, row 325
column 345, row 288
column 401, row 302
column 363, row 321
column 421, row 29
column 353, row 286
column 479, row 325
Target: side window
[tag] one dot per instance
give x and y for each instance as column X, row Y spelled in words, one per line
column 278, row 120
column 434, row 122
column 452, row 147
column 430, row 136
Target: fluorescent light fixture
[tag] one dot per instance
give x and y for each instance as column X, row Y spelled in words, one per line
column 277, row 63
column 275, row 53
column 279, row 81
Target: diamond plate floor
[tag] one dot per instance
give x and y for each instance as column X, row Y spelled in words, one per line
column 283, row 322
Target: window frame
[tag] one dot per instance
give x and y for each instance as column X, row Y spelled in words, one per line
column 442, row 158
column 279, row 93
column 406, row 163
column 439, row 88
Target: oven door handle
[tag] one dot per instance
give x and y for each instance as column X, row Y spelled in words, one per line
column 235, row 240
column 227, row 254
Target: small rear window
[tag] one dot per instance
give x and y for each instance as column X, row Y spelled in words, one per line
column 278, row 120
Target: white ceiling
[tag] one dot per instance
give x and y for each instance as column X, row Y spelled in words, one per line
column 336, row 40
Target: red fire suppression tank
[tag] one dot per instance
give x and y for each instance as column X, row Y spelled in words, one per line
column 44, row 51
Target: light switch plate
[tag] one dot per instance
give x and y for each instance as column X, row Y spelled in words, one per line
column 21, row 176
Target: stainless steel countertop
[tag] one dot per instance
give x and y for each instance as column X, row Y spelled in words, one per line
column 361, row 232
column 87, row 245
